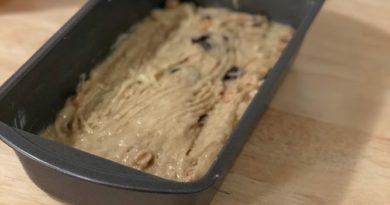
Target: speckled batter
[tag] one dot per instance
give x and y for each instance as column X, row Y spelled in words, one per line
column 171, row 92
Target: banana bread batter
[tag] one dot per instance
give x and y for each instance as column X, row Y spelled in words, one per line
column 169, row 95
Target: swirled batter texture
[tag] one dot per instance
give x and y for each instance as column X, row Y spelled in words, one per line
column 169, row 95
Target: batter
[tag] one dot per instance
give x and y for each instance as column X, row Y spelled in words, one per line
column 169, row 95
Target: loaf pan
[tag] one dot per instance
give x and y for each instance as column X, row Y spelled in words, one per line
column 31, row 98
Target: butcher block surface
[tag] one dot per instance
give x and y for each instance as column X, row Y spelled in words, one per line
column 325, row 138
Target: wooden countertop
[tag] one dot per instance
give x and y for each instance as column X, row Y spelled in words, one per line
column 325, row 139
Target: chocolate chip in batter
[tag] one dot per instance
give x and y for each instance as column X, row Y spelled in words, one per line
column 232, row 73
column 174, row 70
column 203, row 119
column 202, row 41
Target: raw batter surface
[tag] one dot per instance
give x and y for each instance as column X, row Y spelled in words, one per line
column 171, row 92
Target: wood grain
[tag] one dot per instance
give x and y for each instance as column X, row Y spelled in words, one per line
column 325, row 139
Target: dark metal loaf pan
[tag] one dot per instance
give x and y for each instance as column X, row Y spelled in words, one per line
column 30, row 100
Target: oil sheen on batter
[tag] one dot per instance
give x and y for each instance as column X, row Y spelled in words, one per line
column 169, row 95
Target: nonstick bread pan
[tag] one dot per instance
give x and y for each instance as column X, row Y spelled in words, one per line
column 31, row 98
